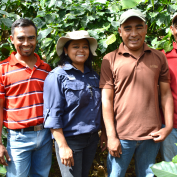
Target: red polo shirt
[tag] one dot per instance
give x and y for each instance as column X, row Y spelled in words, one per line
column 22, row 89
column 172, row 63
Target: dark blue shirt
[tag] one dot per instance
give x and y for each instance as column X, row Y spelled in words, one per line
column 72, row 100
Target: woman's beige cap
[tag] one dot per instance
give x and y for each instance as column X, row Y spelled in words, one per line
column 75, row 35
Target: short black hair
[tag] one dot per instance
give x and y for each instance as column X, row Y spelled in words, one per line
column 175, row 21
column 22, row 22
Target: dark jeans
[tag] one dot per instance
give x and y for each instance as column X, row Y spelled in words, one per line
column 84, row 148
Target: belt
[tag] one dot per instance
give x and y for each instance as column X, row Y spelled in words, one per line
column 33, row 128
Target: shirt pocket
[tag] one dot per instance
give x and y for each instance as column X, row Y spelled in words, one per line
column 76, row 93
column 96, row 89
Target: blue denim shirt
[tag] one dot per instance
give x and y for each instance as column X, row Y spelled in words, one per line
column 72, row 100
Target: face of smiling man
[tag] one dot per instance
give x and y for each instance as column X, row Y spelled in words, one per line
column 133, row 32
column 24, row 40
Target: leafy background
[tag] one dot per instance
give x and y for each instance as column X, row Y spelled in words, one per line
column 54, row 18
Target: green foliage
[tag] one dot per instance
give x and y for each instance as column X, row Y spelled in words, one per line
column 129, row 4
column 174, row 160
column 4, row 141
column 164, row 169
column 54, row 18
column 2, row 170
column 99, row 17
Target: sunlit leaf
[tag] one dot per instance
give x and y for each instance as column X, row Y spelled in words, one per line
column 3, row 170
column 101, row 1
column 165, row 169
column 58, row 3
column 5, row 1
column 42, row 3
column 130, row 3
column 41, row 14
column 115, row 24
column 168, row 46
column 174, row 159
column 52, row 3
column 152, row 3
column 111, row 39
column 113, row 8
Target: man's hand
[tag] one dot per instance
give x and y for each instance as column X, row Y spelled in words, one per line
column 3, row 152
column 160, row 135
column 114, row 147
column 66, row 156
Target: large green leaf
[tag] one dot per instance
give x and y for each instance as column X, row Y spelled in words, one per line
column 39, row 23
column 3, row 12
column 52, row 3
column 165, row 169
column 44, row 33
column 3, row 170
column 46, row 42
column 42, row 3
column 5, row 1
column 111, row 39
column 130, row 3
column 174, row 159
column 168, row 46
column 7, row 22
column 58, row 3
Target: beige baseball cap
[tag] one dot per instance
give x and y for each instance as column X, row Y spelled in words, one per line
column 131, row 13
column 75, row 35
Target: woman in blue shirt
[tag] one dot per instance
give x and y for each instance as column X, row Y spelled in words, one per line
column 72, row 104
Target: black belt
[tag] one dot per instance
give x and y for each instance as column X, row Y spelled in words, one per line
column 33, row 128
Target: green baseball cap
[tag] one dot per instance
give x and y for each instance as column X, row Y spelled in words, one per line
column 174, row 17
column 131, row 13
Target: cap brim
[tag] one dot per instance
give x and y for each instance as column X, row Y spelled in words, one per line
column 134, row 15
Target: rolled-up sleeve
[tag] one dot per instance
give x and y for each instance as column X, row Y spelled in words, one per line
column 54, row 101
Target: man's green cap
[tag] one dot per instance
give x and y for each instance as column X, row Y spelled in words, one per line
column 131, row 13
column 174, row 18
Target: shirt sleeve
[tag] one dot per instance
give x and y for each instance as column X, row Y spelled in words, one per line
column 106, row 77
column 164, row 73
column 54, row 101
column 2, row 90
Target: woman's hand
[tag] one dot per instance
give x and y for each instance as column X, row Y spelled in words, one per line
column 65, row 152
column 66, row 156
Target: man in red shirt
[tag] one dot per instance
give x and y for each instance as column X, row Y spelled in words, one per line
column 168, row 147
column 22, row 75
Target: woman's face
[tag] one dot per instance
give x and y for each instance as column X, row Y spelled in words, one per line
column 78, row 51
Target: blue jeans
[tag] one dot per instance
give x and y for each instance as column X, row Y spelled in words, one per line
column 30, row 153
column 168, row 148
column 145, row 155
column 84, row 148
